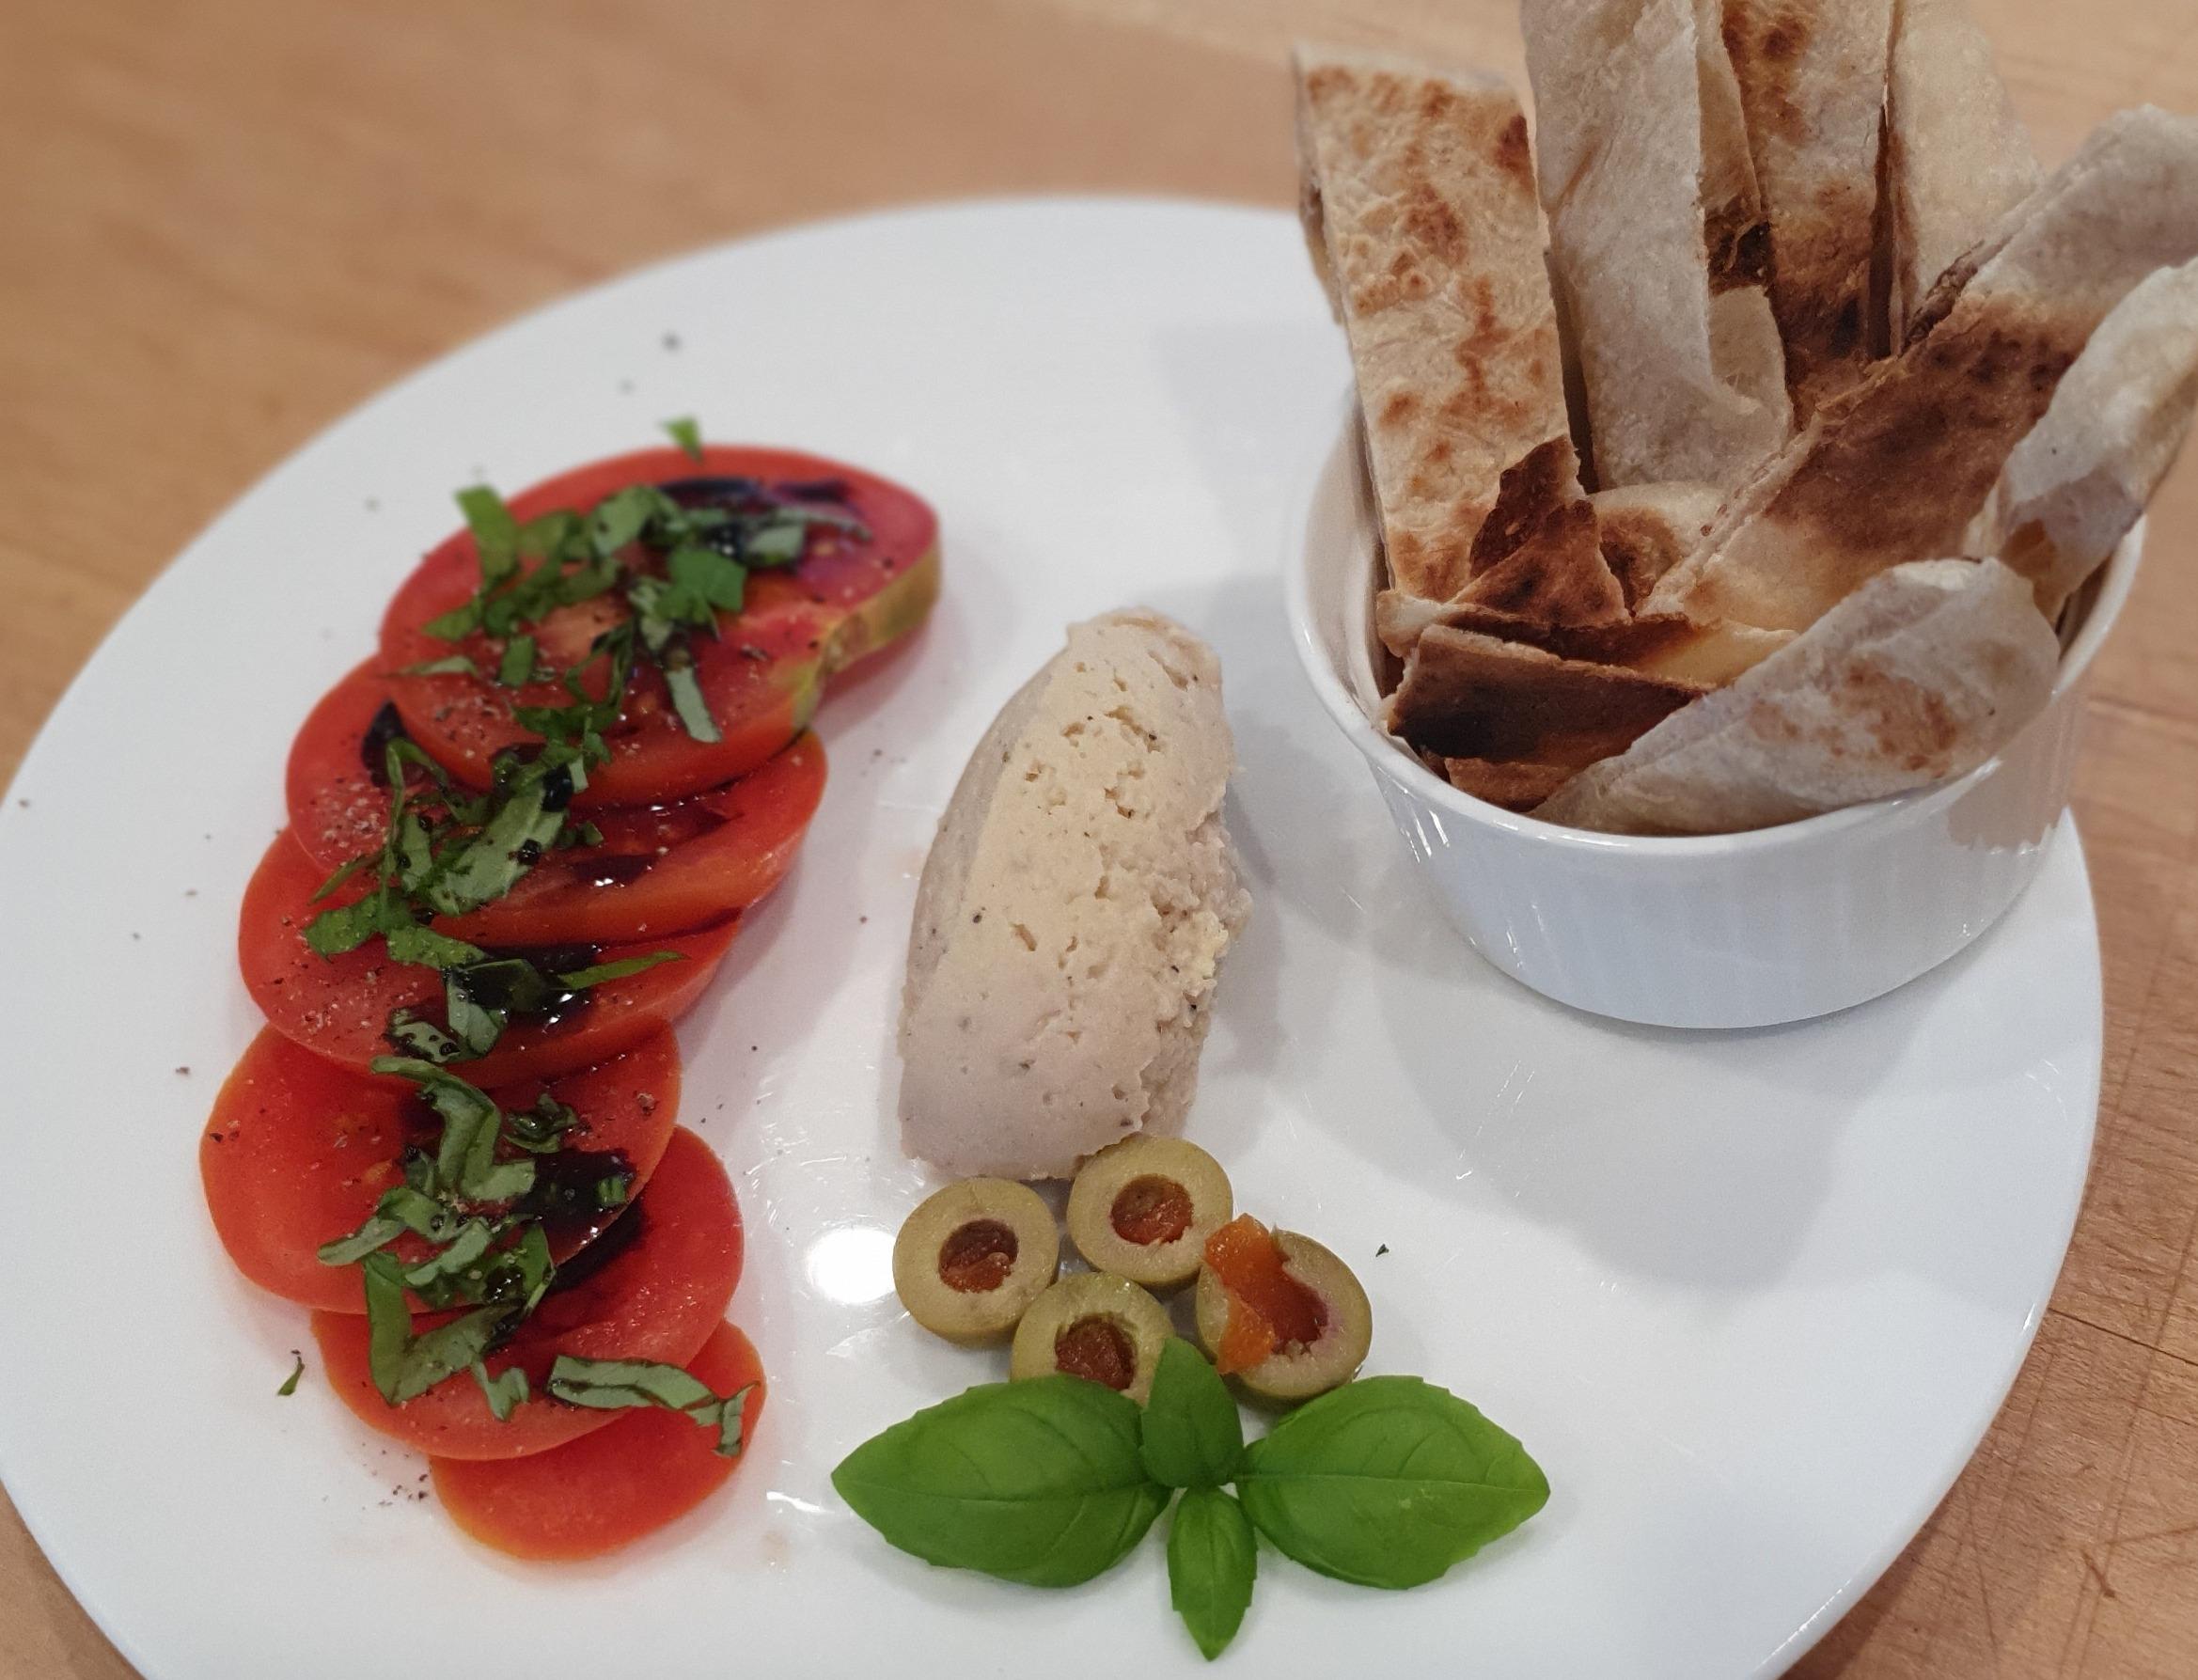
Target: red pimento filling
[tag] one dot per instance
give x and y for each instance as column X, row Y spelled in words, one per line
column 1268, row 1310
column 1151, row 1211
column 977, row 1258
column 1096, row 1349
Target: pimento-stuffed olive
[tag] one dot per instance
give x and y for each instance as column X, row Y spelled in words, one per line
column 1093, row 1326
column 1143, row 1209
column 973, row 1257
column 1280, row 1313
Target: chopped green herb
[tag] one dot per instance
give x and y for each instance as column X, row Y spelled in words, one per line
column 450, row 664
column 579, row 980
column 684, row 432
column 405, row 1366
column 517, row 664
column 290, row 1383
column 505, row 1392
column 619, row 1384
column 709, row 576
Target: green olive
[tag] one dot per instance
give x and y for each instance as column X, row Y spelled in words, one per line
column 1143, row 1208
column 973, row 1257
column 1298, row 1372
column 1092, row 1325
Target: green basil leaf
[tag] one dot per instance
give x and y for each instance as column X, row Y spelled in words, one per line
column 532, row 1265
column 378, row 1231
column 613, row 1385
column 541, row 1130
column 423, row 1040
column 622, row 516
column 464, row 1253
column 456, row 625
column 777, row 544
column 1212, row 1562
column 334, row 932
column 419, row 1212
column 431, row 949
column 1036, row 1482
column 579, row 980
column 516, row 666
column 342, row 875
column 485, row 867
column 686, row 699
column 1193, row 1437
column 709, row 576
column 496, row 533
column 506, row 1392
column 405, row 1366
column 450, row 664
column 1387, row 1482
column 290, row 1383
column 684, row 432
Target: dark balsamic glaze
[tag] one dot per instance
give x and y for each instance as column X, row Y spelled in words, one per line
column 374, row 745
column 564, row 1197
column 615, row 1239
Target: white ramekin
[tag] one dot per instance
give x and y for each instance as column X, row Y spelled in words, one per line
column 1744, row 930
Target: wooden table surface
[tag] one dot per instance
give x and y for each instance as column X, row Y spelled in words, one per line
column 224, row 223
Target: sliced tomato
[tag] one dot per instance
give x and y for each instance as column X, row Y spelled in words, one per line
column 672, row 1268
column 761, row 675
column 338, row 805
column 608, row 1489
column 660, row 869
column 298, row 1152
column 667, row 870
column 339, row 1007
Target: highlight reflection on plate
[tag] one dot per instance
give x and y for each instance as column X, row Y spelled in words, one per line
column 851, row 1264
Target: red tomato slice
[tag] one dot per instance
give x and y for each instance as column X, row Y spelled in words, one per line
column 608, row 1489
column 660, row 869
column 673, row 1262
column 339, row 1007
column 761, row 676
column 298, row 1151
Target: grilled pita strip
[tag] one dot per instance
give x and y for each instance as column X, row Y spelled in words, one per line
column 1960, row 158
column 1921, row 676
column 1896, row 469
column 1813, row 76
column 2075, row 485
column 1646, row 529
column 1656, row 241
column 1468, row 696
column 1419, row 203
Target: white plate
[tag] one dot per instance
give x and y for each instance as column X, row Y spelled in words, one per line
column 1750, row 1300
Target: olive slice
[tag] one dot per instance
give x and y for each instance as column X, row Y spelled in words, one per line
column 1095, row 1325
column 972, row 1258
column 1143, row 1208
column 1298, row 1370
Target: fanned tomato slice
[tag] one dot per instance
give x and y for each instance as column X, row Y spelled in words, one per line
column 298, row 1151
column 660, row 869
column 608, row 1489
column 653, row 1288
column 760, row 676
column 339, row 1007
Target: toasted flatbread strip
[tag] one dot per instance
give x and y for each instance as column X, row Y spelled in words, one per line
column 1669, row 649
column 1539, row 554
column 1657, row 240
column 1960, row 157
column 1921, row 675
column 1419, row 203
column 1812, row 77
column 1896, row 469
column 1469, row 696
column 2075, row 485
column 1646, row 529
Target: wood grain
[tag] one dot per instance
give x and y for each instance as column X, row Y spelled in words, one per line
column 228, row 222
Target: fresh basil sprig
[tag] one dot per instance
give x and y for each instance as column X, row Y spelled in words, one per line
column 1036, row 1482
column 1387, row 1481
column 1192, row 1434
column 1212, row 1562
